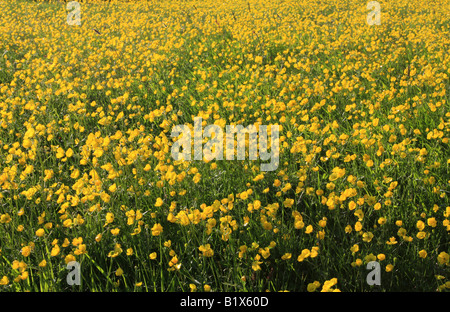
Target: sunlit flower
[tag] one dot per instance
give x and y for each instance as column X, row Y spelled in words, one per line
column 206, row 250
column 423, row 253
column 443, row 258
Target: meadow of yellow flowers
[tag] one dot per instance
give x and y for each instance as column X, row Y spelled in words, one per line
column 86, row 113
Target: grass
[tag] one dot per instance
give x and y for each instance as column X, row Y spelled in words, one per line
column 85, row 146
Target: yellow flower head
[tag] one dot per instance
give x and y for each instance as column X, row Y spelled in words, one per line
column 157, row 229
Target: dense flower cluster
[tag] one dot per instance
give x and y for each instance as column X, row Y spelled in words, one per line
column 87, row 175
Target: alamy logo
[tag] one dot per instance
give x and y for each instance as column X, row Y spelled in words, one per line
column 374, row 16
column 74, row 15
column 214, row 148
column 74, row 276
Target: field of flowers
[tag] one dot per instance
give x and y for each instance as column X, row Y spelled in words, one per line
column 87, row 175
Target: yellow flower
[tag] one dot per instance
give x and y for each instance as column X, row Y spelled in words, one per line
column 286, row 256
column 333, row 177
column 256, row 204
column 305, row 254
column 152, row 256
column 4, row 280
column 389, row 268
column 136, row 230
column 314, row 252
column 117, row 251
column 26, row 251
column 48, row 174
column 423, row 253
column 67, row 223
column 15, row 265
column 360, row 214
column 299, row 224
column 40, row 232
column 27, row 143
column 43, row 263
column 98, row 238
column 309, row 229
column 109, row 218
column 69, row 258
column 244, row 195
column 311, row 287
column 420, row 225
column 443, row 258
column 119, row 272
column 193, row 287
column 287, row 187
column 421, row 235
column 328, row 284
column 157, row 229
column 207, row 288
column 113, row 188
column 159, row 202
column 432, row 222
column 367, row 237
column 67, row 242
column 60, row 153
column 370, row 257
column 24, row 275
column 115, row 231
column 323, row 222
column 255, row 265
column 206, row 250
column 69, row 153
column 243, row 250
column 401, row 232
column 80, row 250
column 351, row 205
column 265, row 253
column 288, row 202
